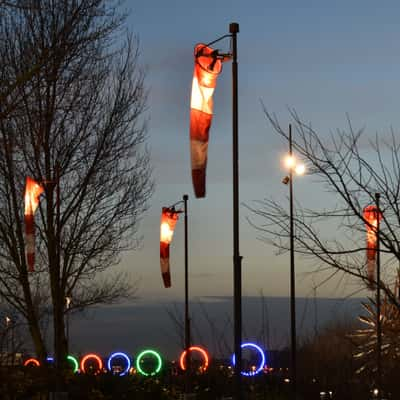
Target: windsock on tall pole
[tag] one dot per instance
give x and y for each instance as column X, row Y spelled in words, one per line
column 371, row 216
column 33, row 190
column 207, row 67
column 169, row 217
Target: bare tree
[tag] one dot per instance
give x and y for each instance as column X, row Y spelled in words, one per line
column 76, row 126
column 350, row 169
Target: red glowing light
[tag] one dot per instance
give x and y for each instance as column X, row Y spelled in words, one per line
column 91, row 357
column 32, row 361
column 199, row 350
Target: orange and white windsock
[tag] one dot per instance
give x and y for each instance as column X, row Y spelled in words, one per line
column 168, row 222
column 206, row 70
column 33, row 190
column 372, row 216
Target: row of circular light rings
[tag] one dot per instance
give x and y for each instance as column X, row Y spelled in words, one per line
column 153, row 353
column 99, row 361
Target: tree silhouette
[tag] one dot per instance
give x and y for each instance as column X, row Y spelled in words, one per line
column 75, row 124
column 350, row 169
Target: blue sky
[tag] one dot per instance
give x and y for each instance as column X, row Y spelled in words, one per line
column 325, row 59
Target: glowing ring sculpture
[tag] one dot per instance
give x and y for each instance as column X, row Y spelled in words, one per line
column 94, row 357
column 140, row 357
column 32, row 361
column 74, row 362
column 199, row 350
column 262, row 363
column 121, row 355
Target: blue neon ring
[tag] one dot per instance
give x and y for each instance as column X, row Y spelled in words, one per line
column 124, row 356
column 262, row 363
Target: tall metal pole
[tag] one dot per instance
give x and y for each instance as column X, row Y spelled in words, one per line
column 237, row 259
column 292, row 277
column 59, row 300
column 67, row 304
column 378, row 300
column 12, row 342
column 7, row 336
column 187, row 317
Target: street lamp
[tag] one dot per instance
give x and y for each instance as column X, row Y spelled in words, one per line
column 169, row 218
column 298, row 169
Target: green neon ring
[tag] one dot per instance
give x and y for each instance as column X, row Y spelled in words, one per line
column 74, row 362
column 153, row 353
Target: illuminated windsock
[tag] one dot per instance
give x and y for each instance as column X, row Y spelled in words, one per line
column 33, row 190
column 168, row 221
column 371, row 215
column 206, row 70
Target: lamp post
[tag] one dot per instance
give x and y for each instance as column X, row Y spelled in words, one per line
column 298, row 169
column 172, row 211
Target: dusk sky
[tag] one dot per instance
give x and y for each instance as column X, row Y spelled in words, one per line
column 324, row 59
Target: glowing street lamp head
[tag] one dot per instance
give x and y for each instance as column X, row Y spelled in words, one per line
column 300, row 169
column 289, row 161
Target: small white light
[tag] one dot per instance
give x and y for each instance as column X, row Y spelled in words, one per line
column 290, row 162
column 300, row 169
column 68, row 302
